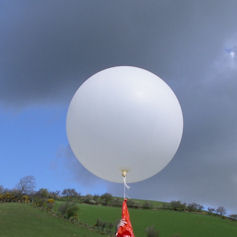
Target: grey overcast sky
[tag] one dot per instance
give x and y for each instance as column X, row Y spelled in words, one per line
column 48, row 48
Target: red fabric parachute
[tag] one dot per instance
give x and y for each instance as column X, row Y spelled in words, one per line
column 125, row 226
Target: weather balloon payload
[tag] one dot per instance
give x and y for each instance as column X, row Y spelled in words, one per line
column 124, row 120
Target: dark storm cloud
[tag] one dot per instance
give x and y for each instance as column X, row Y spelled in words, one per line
column 49, row 48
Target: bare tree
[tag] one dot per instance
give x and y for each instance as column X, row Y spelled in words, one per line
column 26, row 185
column 54, row 195
column 1, row 189
column 177, row 206
column 221, row 211
column 194, row 207
column 211, row 210
column 70, row 193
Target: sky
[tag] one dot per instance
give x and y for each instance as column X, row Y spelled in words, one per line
column 49, row 48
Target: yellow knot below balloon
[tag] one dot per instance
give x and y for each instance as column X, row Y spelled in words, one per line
column 124, row 173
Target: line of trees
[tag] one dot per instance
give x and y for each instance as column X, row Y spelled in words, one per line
column 25, row 192
column 194, row 207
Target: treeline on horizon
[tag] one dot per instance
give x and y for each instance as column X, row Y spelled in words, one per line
column 25, row 192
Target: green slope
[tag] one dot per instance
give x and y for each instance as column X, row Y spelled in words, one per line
column 21, row 220
column 167, row 222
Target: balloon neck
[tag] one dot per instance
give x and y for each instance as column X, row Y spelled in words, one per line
column 124, row 173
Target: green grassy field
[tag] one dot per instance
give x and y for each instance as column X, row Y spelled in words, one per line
column 169, row 223
column 21, row 220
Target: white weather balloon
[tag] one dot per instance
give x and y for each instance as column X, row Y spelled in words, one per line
column 124, row 118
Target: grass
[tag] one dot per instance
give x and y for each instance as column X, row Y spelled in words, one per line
column 21, row 220
column 169, row 223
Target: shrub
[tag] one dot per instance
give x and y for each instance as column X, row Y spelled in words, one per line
column 151, row 232
column 192, row 207
column 63, row 208
column 166, row 205
column 106, row 198
column 221, row 211
column 134, row 204
column 50, row 200
column 96, row 198
column 50, row 204
column 72, row 211
column 68, row 210
column 102, row 225
column 8, row 197
column 73, row 219
column 116, row 202
column 40, row 202
column 130, row 203
column 42, row 193
column 54, row 195
column 110, row 225
column 210, row 210
column 98, row 223
column 89, row 199
column 177, row 206
column 147, row 205
column 25, row 198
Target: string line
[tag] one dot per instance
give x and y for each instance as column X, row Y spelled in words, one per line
column 125, row 186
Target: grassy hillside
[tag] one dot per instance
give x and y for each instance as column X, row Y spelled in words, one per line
column 21, row 220
column 169, row 223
